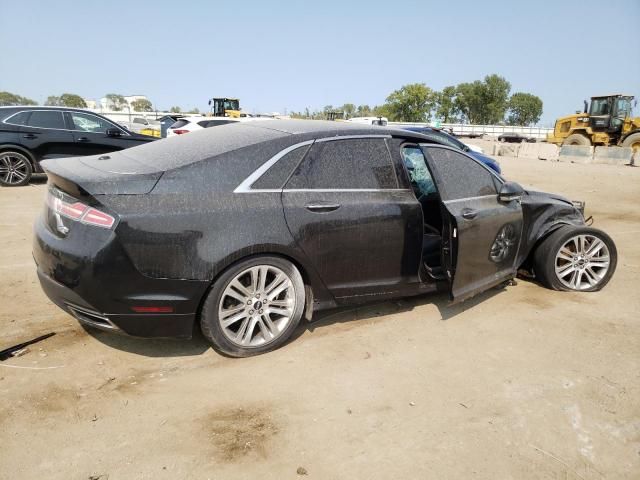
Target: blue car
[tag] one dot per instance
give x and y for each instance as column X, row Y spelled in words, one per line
column 451, row 141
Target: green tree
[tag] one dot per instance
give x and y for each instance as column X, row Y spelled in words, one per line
column 483, row 102
column 446, row 108
column 66, row 100
column 411, row 103
column 364, row 111
column 193, row 110
column 175, row 110
column 524, row 109
column 8, row 99
column 380, row 111
column 142, row 105
column 52, row 101
column 72, row 100
column 496, row 98
column 115, row 101
column 349, row 109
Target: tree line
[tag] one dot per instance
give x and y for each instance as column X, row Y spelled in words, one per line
column 482, row 102
column 116, row 102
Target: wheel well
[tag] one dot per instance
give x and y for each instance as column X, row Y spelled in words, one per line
column 24, row 151
column 528, row 263
column 305, row 275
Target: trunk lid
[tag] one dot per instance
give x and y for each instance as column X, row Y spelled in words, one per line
column 109, row 174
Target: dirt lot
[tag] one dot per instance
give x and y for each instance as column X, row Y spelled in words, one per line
column 519, row 383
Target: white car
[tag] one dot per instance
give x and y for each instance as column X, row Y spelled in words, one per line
column 191, row 124
column 380, row 121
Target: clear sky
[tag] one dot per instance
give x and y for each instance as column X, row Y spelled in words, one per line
column 295, row 54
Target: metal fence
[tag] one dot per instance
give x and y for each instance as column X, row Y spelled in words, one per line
column 463, row 130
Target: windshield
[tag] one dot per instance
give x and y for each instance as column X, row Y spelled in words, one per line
column 231, row 104
column 599, row 106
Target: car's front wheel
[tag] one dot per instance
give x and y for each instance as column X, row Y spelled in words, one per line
column 575, row 259
column 15, row 169
column 254, row 306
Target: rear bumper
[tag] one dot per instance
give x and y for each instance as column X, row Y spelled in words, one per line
column 90, row 277
column 156, row 325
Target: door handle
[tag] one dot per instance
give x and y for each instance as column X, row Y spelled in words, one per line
column 82, row 139
column 30, row 136
column 469, row 213
column 322, row 207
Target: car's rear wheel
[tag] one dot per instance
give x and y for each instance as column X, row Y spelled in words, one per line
column 254, row 306
column 15, row 169
column 575, row 259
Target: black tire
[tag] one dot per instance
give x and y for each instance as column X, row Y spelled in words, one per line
column 15, row 169
column 544, row 258
column 632, row 141
column 209, row 318
column 577, row 139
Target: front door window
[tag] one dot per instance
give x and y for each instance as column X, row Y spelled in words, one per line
column 85, row 122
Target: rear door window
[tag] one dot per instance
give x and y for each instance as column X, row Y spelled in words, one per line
column 459, row 176
column 18, row 118
column 47, row 119
column 360, row 164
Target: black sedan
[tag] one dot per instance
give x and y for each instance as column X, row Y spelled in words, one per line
column 29, row 135
column 512, row 137
column 246, row 228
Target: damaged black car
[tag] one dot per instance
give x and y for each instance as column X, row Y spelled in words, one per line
column 245, row 229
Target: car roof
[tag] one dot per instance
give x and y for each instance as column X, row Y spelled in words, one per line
column 325, row 128
column 182, row 150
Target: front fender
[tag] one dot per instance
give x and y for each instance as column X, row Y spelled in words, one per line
column 544, row 213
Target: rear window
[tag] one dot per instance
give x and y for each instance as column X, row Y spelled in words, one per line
column 46, row 119
column 278, row 174
column 19, row 118
column 214, row 123
column 183, row 150
column 180, row 124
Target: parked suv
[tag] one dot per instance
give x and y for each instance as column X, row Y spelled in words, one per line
column 247, row 228
column 31, row 134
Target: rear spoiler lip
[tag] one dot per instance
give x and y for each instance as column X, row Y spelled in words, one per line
column 85, row 180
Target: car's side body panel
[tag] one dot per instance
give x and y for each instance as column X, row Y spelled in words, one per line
column 369, row 245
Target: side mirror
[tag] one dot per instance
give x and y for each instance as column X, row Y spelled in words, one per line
column 113, row 132
column 510, row 191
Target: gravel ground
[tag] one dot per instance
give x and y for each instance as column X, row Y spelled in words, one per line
column 517, row 383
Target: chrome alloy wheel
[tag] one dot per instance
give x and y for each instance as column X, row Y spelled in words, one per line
column 13, row 169
column 256, row 306
column 582, row 262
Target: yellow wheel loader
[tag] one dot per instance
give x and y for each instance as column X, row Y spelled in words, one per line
column 225, row 107
column 607, row 121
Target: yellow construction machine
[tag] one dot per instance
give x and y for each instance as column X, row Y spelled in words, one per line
column 225, row 107
column 607, row 121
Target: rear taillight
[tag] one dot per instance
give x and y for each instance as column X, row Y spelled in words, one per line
column 180, row 132
column 63, row 205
